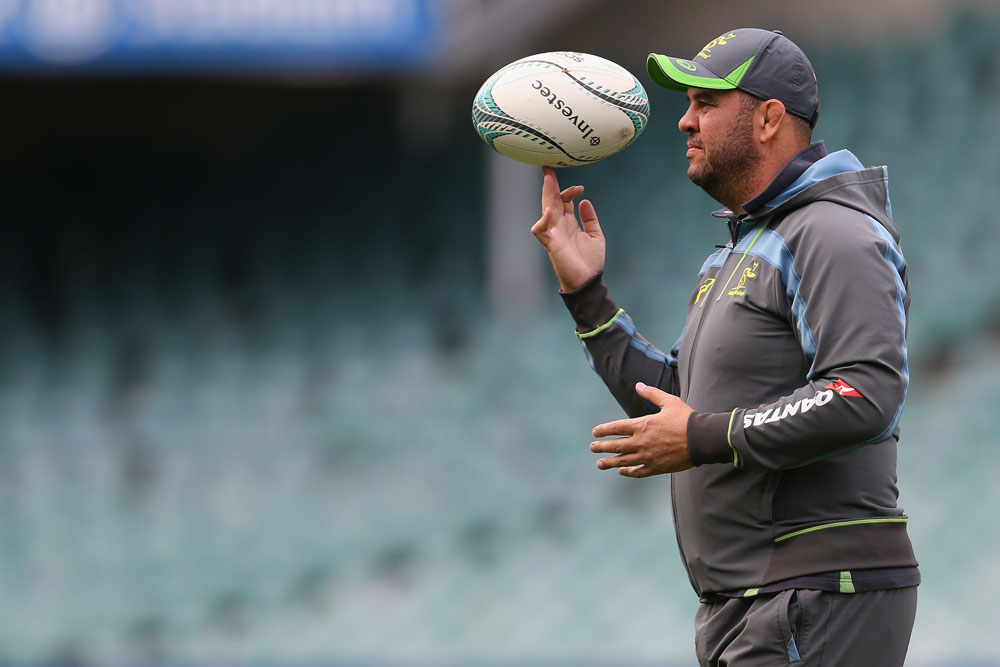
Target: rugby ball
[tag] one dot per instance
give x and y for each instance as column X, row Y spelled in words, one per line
column 560, row 109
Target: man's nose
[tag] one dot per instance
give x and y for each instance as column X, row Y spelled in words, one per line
column 688, row 122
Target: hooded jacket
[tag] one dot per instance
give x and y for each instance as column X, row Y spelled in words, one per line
column 793, row 357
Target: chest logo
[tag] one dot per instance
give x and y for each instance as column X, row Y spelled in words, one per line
column 705, row 286
column 741, row 286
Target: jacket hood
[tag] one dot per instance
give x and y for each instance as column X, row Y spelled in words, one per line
column 840, row 178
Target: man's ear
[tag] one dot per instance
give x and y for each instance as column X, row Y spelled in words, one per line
column 769, row 118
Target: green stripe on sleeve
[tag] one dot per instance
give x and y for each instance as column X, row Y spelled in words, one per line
column 729, row 439
column 601, row 328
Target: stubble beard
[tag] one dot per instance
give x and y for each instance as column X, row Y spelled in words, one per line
column 723, row 174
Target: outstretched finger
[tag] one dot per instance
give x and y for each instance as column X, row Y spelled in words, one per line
column 588, row 216
column 614, row 446
column 571, row 193
column 620, row 461
column 550, row 188
column 620, row 427
column 637, row 472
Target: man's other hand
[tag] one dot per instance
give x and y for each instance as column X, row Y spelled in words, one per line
column 650, row 445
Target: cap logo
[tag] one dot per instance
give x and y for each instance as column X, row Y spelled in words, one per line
column 706, row 51
column 688, row 65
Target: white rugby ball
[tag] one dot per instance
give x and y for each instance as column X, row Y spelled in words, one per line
column 560, row 109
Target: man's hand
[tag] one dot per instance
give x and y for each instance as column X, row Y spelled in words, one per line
column 577, row 254
column 653, row 444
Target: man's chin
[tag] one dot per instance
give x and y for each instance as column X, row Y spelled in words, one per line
column 707, row 181
column 696, row 175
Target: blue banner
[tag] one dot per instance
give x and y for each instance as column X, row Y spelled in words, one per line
column 184, row 35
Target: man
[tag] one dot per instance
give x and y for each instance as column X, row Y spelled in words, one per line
column 777, row 410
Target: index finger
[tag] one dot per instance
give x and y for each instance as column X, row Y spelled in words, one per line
column 619, row 427
column 550, row 189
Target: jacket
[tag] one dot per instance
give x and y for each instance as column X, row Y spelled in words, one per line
column 793, row 357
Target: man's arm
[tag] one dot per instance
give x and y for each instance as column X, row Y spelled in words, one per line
column 614, row 348
column 617, row 351
column 846, row 282
column 639, row 376
column 644, row 382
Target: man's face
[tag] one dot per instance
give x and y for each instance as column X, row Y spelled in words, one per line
column 721, row 147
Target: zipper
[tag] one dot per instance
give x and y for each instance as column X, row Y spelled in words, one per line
column 734, row 226
column 740, row 263
column 733, row 223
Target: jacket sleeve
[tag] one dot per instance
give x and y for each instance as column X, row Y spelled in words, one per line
column 615, row 349
column 845, row 282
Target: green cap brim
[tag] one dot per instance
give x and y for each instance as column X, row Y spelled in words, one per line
column 680, row 74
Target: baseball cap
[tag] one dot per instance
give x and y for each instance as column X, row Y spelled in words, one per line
column 764, row 63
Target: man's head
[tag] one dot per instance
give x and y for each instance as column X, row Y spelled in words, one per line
column 721, row 146
column 752, row 103
column 763, row 63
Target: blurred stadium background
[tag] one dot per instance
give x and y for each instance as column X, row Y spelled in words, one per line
column 284, row 379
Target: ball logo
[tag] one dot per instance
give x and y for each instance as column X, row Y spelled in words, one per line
column 553, row 99
column 595, row 141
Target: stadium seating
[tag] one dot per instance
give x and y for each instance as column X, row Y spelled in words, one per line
column 290, row 431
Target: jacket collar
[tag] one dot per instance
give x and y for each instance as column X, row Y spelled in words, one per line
column 785, row 178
